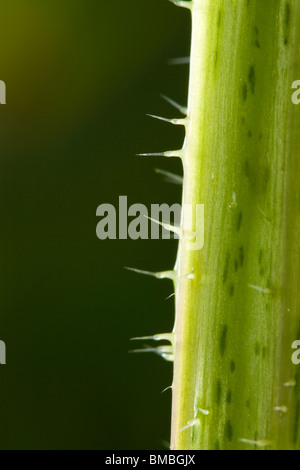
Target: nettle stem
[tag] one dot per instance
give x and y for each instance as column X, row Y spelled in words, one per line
column 235, row 386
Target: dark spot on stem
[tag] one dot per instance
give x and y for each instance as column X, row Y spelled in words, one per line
column 219, row 19
column 216, row 58
column 223, row 340
column 257, row 44
column 287, row 14
column 193, row 435
column 252, row 79
column 229, row 397
column 247, row 403
column 231, row 290
column 249, row 134
column 229, row 431
column 257, row 348
column 232, row 366
column 287, row 17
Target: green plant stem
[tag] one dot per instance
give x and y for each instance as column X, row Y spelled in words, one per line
column 235, row 386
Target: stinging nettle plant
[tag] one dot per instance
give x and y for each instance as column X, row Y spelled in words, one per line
column 238, row 298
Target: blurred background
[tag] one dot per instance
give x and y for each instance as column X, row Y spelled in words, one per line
column 81, row 76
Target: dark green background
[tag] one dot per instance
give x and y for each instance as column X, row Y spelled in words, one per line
column 81, row 76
